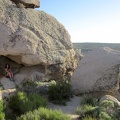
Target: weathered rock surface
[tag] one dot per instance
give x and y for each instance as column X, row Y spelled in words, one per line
column 32, row 73
column 31, row 37
column 28, row 3
column 111, row 98
column 6, row 94
column 7, row 84
column 98, row 71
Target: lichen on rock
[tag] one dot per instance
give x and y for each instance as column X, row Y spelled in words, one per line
column 30, row 37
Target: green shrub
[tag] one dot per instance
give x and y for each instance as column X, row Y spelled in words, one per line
column 85, row 110
column 35, row 87
column 116, row 114
column 96, row 112
column 23, row 102
column 28, row 86
column 2, row 114
column 89, row 100
column 107, row 104
column 60, row 92
column 91, row 110
column 9, row 115
column 104, row 116
column 89, row 118
column 44, row 114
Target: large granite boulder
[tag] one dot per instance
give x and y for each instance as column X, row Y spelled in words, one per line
column 30, row 37
column 98, row 71
column 27, row 3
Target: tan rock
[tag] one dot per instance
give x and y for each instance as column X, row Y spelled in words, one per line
column 98, row 71
column 31, row 73
column 7, row 84
column 6, row 94
column 28, row 3
column 32, row 37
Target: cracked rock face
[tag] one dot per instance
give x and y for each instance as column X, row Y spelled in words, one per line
column 27, row 3
column 31, row 37
column 98, row 71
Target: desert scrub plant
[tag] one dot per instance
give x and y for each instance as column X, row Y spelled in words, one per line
column 2, row 114
column 44, row 114
column 104, row 116
column 89, row 100
column 60, row 92
column 116, row 114
column 91, row 108
column 35, row 87
column 107, row 106
column 28, row 86
column 9, row 115
column 23, row 102
column 89, row 118
column 85, row 110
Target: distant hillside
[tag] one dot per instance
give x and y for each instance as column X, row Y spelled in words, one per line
column 86, row 47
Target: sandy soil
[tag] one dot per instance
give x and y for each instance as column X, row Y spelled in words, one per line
column 70, row 107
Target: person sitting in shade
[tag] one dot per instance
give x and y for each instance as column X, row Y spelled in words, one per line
column 8, row 72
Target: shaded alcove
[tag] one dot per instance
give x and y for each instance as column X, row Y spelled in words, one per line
column 14, row 66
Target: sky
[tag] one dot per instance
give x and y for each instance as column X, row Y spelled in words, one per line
column 87, row 20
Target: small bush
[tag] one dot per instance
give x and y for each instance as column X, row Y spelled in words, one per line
column 104, row 116
column 90, row 110
column 60, row 92
column 85, row 110
column 89, row 118
column 29, row 86
column 35, row 87
column 89, row 100
column 96, row 112
column 2, row 114
column 116, row 114
column 107, row 104
column 44, row 114
column 9, row 115
column 23, row 102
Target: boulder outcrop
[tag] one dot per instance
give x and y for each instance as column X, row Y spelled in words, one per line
column 30, row 37
column 27, row 3
column 98, row 71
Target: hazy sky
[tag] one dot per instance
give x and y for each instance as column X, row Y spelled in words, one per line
column 87, row 20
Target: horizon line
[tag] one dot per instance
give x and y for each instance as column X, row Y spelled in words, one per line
column 97, row 42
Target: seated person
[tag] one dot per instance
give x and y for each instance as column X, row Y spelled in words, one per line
column 8, row 72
